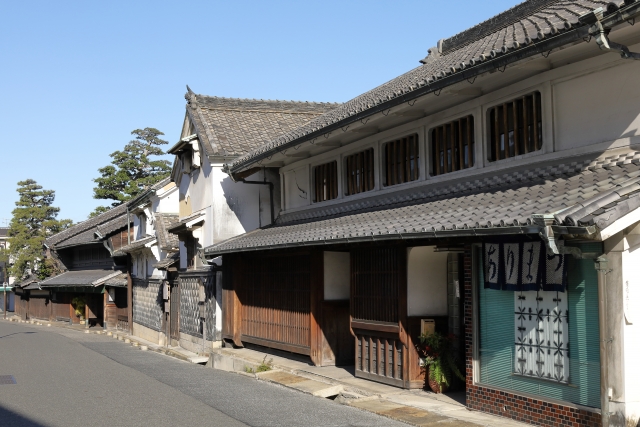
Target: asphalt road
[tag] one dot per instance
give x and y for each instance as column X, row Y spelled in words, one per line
column 67, row 378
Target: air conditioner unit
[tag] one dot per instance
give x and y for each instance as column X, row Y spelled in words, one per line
column 427, row 326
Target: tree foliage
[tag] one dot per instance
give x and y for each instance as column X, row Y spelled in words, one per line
column 34, row 220
column 132, row 170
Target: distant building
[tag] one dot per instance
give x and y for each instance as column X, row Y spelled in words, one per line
column 5, row 280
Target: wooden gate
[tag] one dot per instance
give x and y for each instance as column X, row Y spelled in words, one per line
column 275, row 294
column 378, row 313
column 174, row 315
column 39, row 308
column 62, row 310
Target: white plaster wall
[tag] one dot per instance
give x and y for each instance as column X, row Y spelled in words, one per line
column 297, row 188
column 337, row 275
column 598, row 107
column 426, row 282
column 236, row 206
column 166, row 200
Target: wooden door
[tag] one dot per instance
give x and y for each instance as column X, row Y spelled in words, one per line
column 378, row 314
column 39, row 308
column 275, row 299
column 174, row 312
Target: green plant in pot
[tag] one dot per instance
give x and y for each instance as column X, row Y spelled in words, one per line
column 78, row 306
column 439, row 360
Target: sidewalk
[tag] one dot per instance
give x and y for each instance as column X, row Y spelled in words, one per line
column 414, row 407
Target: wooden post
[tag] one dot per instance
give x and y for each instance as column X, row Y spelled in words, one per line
column 317, row 297
column 130, row 298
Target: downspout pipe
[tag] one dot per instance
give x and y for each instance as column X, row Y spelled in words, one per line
column 270, row 184
column 601, row 265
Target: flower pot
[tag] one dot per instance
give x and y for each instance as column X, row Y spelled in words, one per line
column 436, row 386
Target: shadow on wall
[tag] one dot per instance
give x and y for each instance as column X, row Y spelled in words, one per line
column 240, row 200
column 13, row 419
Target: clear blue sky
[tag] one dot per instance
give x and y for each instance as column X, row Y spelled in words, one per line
column 76, row 77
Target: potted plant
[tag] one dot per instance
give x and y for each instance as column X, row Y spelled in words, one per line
column 439, row 360
column 78, row 305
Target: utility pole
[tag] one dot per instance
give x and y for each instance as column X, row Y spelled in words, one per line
column 4, row 289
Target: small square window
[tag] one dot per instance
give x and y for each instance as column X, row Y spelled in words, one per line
column 359, row 169
column 515, row 127
column 401, row 160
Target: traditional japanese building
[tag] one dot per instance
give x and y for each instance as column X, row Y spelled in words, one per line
column 212, row 207
column 491, row 191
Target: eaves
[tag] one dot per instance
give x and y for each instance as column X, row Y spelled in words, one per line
column 469, row 73
column 410, row 236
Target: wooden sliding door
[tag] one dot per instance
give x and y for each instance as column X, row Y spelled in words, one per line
column 378, row 313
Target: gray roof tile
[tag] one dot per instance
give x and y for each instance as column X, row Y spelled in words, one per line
column 435, row 208
column 76, row 278
column 232, row 127
column 531, row 20
column 84, row 232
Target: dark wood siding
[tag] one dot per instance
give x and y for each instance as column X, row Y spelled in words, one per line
column 275, row 297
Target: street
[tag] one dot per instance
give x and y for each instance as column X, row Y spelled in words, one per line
column 67, row 378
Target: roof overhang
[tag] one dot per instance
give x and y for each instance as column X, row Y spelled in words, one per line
column 212, row 252
column 564, row 39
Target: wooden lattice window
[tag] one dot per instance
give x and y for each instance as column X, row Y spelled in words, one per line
column 521, row 121
column 359, row 172
column 452, row 146
column 325, row 181
column 401, row 160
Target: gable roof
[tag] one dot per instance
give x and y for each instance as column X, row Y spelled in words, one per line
column 85, row 231
column 490, row 204
column 530, row 28
column 230, row 127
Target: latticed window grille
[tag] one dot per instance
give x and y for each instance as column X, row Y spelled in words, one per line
column 401, row 160
column 452, row 146
column 359, row 169
column 325, row 181
column 542, row 335
column 515, row 127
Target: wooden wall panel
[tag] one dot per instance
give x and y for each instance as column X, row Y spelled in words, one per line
column 39, row 308
column 275, row 298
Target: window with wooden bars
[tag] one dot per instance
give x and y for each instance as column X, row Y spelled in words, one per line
column 325, row 179
column 452, row 146
column 401, row 160
column 515, row 127
column 359, row 172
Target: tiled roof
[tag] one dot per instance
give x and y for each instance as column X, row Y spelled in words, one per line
column 504, row 202
column 516, row 33
column 76, row 278
column 232, row 127
column 164, row 221
column 84, row 232
column 26, row 281
column 134, row 246
column 168, row 261
column 4, row 231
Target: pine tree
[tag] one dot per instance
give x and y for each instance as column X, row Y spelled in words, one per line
column 34, row 220
column 132, row 171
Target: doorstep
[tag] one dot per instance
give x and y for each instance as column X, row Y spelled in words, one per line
column 414, row 407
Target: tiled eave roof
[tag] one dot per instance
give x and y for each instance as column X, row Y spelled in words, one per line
column 79, row 278
column 494, row 45
column 163, row 222
column 84, row 232
column 492, row 204
column 134, row 246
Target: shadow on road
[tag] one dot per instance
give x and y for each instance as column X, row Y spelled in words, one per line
column 17, row 333
column 10, row 418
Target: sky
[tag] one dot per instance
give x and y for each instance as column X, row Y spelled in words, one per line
column 76, row 77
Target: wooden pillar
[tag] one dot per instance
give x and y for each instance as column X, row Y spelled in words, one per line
column 129, row 296
column 105, row 298
column 86, row 310
column 317, row 298
column 402, row 313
